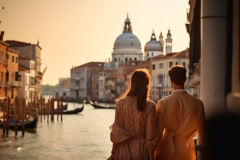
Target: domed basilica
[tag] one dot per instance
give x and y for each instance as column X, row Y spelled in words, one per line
column 128, row 47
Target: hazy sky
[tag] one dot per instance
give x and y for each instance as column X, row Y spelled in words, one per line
column 73, row 32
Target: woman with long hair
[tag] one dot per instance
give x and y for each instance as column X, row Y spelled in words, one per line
column 134, row 132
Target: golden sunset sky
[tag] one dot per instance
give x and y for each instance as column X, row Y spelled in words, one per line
column 74, row 32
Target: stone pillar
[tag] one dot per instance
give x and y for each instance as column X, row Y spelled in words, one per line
column 213, row 55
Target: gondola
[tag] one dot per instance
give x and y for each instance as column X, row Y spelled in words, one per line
column 28, row 124
column 75, row 111
column 97, row 106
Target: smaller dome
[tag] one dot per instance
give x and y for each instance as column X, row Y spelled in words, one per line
column 169, row 34
column 127, row 20
column 153, row 45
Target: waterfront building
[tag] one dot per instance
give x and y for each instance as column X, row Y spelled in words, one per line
column 126, row 47
column 27, row 74
column 94, row 87
column 111, row 88
column 3, row 69
column 80, row 79
column 161, row 84
column 33, row 52
column 63, row 89
column 103, row 74
column 12, row 76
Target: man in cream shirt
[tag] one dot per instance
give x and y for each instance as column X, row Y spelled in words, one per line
column 180, row 117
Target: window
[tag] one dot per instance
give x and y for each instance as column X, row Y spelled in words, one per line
column 152, row 53
column 125, row 70
column 184, row 64
column 170, row 64
column 101, row 83
column 176, row 63
column 12, row 58
column 160, row 79
column 126, row 59
column 115, row 59
column 153, row 66
column 135, row 59
column 16, row 59
column 32, row 80
column 147, row 54
column 160, row 65
column 130, row 59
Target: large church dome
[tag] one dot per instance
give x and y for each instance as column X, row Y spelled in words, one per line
column 127, row 40
column 153, row 44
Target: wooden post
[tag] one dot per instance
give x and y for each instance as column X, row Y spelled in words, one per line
column 23, row 106
column 47, row 105
column 15, row 115
column 7, row 120
column 61, row 108
column 52, row 105
column 57, row 107
column 4, row 116
column 44, row 107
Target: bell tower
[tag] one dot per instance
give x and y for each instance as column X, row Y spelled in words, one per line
column 169, row 42
column 161, row 40
column 127, row 28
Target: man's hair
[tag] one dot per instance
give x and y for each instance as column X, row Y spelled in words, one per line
column 177, row 74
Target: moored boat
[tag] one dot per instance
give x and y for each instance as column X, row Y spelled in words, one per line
column 97, row 106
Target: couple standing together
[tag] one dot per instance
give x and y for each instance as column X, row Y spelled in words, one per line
column 143, row 130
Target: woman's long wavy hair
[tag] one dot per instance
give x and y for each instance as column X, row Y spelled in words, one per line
column 139, row 87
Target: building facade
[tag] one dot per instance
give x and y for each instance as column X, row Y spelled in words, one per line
column 81, row 77
column 33, row 52
column 63, row 89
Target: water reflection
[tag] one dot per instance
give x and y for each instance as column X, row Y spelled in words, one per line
column 81, row 136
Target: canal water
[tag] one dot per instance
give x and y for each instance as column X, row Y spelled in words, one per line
column 84, row 136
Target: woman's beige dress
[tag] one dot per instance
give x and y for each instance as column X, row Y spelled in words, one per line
column 135, row 132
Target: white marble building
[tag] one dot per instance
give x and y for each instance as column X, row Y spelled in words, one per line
column 126, row 47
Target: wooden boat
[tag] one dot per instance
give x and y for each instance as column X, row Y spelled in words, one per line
column 97, row 106
column 75, row 111
column 28, row 124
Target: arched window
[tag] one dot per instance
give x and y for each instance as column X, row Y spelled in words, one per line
column 130, row 59
column 135, row 59
column 184, row 64
column 147, row 54
column 115, row 59
column 126, row 59
column 176, row 63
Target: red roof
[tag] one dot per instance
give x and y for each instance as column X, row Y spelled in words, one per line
column 23, row 58
column 22, row 68
column 14, row 43
column 91, row 64
column 181, row 54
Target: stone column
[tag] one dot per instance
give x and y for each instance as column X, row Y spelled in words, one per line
column 213, row 55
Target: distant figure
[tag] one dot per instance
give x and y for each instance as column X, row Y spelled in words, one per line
column 180, row 117
column 134, row 131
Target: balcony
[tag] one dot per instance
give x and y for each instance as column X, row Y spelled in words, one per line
column 159, row 85
column 6, row 62
column 119, row 83
column 3, row 84
column 15, row 84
